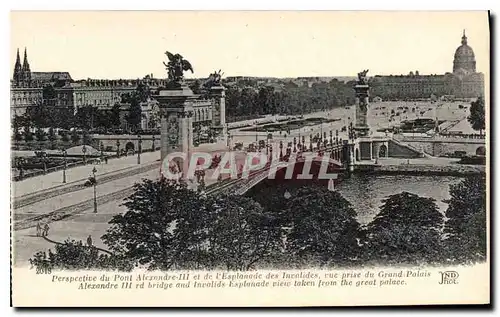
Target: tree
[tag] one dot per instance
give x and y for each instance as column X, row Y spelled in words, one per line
column 65, row 137
column 75, row 137
column 167, row 226
column 465, row 227
column 140, row 95
column 151, row 232
column 477, row 115
column 52, row 135
column 40, row 134
column 17, row 136
column 74, row 255
column 195, row 86
column 265, row 100
column 28, row 136
column 406, row 230
column 240, row 234
column 134, row 116
column 115, row 116
column 322, row 227
column 86, row 137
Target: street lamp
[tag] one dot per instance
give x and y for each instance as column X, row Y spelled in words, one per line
column 44, row 161
column 95, row 185
column 281, row 150
column 256, row 138
column 102, row 150
column 139, row 149
column 65, row 166
column 117, row 148
column 84, row 150
column 20, row 163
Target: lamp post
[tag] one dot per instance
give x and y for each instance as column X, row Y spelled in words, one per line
column 256, row 138
column 95, row 185
column 20, row 163
column 139, row 149
column 65, row 166
column 117, row 148
column 281, row 150
column 102, row 151
column 44, row 161
column 321, row 131
column 84, row 150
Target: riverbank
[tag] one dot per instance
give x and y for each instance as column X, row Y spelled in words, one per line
column 422, row 170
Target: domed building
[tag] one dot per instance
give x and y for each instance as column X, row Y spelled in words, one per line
column 463, row 82
column 464, row 61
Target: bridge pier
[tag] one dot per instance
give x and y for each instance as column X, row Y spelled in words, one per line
column 176, row 112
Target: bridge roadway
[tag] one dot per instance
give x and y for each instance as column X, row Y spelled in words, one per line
column 241, row 185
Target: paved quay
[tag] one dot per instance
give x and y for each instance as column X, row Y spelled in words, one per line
column 437, row 166
column 77, row 174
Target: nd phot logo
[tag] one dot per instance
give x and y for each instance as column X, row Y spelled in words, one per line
column 449, row 277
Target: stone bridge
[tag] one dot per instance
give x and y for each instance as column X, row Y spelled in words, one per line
column 446, row 144
column 127, row 142
column 323, row 165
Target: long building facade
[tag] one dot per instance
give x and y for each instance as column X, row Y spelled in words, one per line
column 463, row 82
column 29, row 89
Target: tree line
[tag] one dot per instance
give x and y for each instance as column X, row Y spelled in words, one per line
column 169, row 227
column 245, row 101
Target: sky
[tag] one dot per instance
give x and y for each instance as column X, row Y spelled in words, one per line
column 131, row 44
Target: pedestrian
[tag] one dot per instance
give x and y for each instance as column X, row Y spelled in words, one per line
column 106, row 159
column 38, row 229
column 89, row 240
column 46, row 230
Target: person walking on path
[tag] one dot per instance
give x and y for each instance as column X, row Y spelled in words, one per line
column 38, row 229
column 89, row 241
column 46, row 229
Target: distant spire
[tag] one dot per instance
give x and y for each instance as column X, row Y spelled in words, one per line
column 17, row 69
column 26, row 67
column 464, row 39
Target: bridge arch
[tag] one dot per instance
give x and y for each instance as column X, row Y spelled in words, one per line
column 382, row 152
column 481, row 151
column 129, row 146
column 243, row 185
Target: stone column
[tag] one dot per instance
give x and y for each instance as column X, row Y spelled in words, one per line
column 361, row 125
column 176, row 120
column 218, row 93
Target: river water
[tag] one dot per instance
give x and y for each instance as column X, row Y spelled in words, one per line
column 366, row 192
